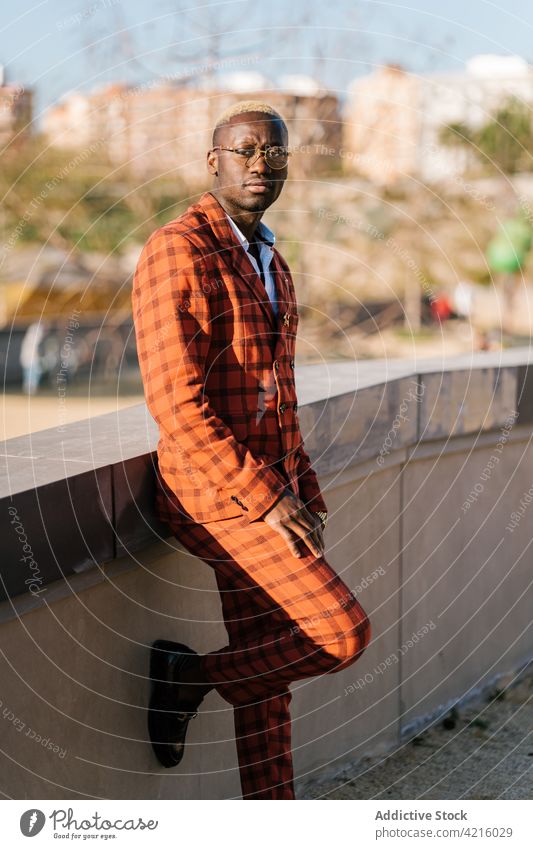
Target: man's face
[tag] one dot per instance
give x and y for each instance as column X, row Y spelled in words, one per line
column 235, row 180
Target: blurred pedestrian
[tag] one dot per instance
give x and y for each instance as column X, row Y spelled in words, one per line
column 30, row 358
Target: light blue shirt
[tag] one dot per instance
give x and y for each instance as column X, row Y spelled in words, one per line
column 265, row 252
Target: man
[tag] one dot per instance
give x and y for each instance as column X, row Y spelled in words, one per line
column 215, row 318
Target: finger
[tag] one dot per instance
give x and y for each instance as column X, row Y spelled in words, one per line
column 319, row 533
column 310, row 517
column 319, row 546
column 307, row 518
column 313, row 547
column 319, row 539
column 300, row 512
column 281, row 529
column 313, row 538
column 315, row 535
column 308, row 525
column 292, row 543
column 304, row 535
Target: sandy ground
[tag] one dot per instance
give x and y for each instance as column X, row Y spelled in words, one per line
column 22, row 414
column 487, row 754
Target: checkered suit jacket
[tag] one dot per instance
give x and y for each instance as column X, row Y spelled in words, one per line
column 218, row 372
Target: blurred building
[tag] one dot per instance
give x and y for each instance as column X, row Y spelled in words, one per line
column 393, row 118
column 15, row 109
column 381, row 126
column 164, row 128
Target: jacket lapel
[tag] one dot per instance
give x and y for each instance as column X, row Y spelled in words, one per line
column 240, row 261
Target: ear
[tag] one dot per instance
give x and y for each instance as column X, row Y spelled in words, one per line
column 212, row 162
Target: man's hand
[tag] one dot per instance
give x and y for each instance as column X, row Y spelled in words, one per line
column 292, row 520
column 320, row 531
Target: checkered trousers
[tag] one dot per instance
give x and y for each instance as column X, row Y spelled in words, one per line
column 287, row 619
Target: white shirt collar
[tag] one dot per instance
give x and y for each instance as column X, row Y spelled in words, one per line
column 262, row 231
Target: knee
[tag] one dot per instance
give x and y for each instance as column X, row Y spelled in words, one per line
column 348, row 641
column 359, row 639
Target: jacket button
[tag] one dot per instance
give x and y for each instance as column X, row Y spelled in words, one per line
column 282, row 408
column 291, row 364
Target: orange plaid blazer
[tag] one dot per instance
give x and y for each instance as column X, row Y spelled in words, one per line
column 218, row 372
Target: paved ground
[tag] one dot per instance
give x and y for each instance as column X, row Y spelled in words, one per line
column 488, row 754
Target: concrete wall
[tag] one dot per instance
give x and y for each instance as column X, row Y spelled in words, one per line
column 401, row 450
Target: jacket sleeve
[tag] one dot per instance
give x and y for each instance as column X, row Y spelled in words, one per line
column 308, row 485
column 173, row 321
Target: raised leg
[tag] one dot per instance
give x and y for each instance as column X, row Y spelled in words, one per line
column 287, row 618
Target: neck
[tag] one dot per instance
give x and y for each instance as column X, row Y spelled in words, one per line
column 247, row 222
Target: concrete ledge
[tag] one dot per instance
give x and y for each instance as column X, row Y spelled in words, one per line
column 96, row 476
column 422, row 469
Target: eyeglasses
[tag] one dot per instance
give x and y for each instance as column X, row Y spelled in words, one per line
column 275, row 157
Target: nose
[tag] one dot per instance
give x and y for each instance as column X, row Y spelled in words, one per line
column 260, row 165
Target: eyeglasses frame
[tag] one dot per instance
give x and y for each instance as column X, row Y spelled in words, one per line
column 258, row 152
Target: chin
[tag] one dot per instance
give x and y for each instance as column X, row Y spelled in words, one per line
column 255, row 203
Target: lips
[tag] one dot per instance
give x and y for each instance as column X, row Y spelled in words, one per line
column 258, row 187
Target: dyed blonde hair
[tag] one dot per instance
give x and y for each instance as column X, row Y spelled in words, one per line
column 246, row 106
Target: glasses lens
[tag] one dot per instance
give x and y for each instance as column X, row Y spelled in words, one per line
column 277, row 157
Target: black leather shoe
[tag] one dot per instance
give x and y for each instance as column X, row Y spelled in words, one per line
column 168, row 715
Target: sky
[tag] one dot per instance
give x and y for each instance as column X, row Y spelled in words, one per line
column 57, row 46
